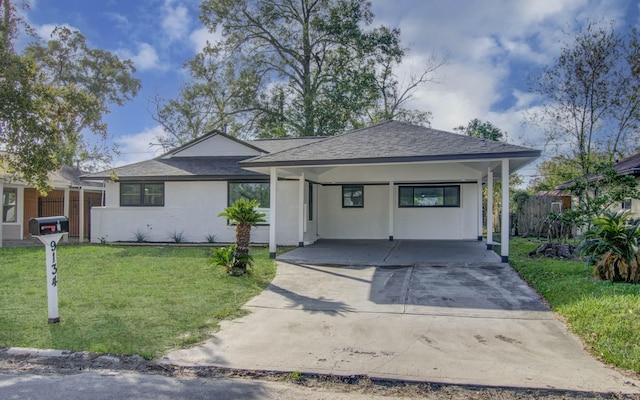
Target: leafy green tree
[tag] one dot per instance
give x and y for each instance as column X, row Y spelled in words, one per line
column 95, row 79
column 28, row 110
column 290, row 68
column 244, row 214
column 482, row 130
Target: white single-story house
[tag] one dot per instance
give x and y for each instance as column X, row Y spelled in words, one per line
column 390, row 181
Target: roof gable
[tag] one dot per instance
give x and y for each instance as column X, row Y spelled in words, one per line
column 215, row 144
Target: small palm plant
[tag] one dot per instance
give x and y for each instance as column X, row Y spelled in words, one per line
column 612, row 247
column 245, row 215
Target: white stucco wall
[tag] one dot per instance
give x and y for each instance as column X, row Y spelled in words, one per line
column 368, row 222
column 372, row 221
column 447, row 223
column 190, row 207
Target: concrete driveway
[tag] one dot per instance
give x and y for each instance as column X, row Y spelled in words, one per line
column 466, row 323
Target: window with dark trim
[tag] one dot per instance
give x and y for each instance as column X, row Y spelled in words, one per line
column 258, row 191
column 310, row 202
column 626, row 204
column 9, row 204
column 141, row 194
column 429, row 196
column 352, row 196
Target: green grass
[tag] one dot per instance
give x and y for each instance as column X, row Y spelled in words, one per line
column 123, row 300
column 605, row 315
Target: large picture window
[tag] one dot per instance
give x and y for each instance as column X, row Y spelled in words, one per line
column 352, row 196
column 258, row 191
column 9, row 204
column 141, row 194
column 429, row 196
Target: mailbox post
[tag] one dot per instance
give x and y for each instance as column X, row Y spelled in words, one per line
column 49, row 230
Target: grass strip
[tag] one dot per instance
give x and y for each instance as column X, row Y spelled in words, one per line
column 122, row 300
column 605, row 315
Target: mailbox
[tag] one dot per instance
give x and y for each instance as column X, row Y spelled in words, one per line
column 48, row 225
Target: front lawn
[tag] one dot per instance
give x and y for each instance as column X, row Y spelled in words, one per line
column 124, row 300
column 605, row 315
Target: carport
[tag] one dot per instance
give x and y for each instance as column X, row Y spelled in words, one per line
column 392, row 181
column 391, row 253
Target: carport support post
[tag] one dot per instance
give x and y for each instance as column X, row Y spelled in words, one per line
column 301, row 211
column 489, row 209
column 273, row 183
column 81, row 214
column 504, row 226
column 391, row 186
column 479, row 194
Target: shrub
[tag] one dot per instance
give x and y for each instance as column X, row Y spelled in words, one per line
column 228, row 257
column 611, row 245
column 140, row 236
column 177, row 237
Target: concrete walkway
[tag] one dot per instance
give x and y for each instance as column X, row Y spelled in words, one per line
column 474, row 324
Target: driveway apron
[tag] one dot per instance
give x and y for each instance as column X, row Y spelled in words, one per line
column 466, row 323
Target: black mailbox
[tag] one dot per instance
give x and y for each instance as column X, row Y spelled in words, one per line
column 48, row 225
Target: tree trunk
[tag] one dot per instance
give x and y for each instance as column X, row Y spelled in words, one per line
column 243, row 239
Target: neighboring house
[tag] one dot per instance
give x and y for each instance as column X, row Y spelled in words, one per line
column 626, row 166
column 386, row 181
column 21, row 202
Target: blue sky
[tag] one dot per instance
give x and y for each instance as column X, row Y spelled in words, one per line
column 492, row 46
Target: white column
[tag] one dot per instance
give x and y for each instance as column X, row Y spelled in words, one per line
column 490, row 209
column 504, row 246
column 301, row 210
column 81, row 211
column 479, row 194
column 20, row 205
column 67, row 202
column 273, row 184
column 2, row 211
column 391, row 208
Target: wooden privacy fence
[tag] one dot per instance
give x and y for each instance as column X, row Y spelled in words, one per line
column 53, row 206
column 536, row 216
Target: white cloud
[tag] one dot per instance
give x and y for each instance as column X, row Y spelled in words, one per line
column 200, row 37
column 137, row 147
column 488, row 44
column 175, row 21
column 145, row 59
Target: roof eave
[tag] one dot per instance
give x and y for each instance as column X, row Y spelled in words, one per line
column 177, row 178
column 388, row 160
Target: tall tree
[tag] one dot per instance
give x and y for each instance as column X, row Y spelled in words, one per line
column 28, row 115
column 591, row 96
column 289, row 68
column 482, row 130
column 97, row 79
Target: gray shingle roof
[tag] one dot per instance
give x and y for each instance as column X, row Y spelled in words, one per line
column 280, row 144
column 181, row 168
column 391, row 141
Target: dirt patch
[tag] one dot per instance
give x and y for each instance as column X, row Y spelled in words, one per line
column 65, row 363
